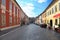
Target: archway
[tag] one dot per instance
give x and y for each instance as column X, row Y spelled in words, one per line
column 51, row 23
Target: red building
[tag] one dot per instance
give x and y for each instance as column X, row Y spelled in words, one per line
column 10, row 13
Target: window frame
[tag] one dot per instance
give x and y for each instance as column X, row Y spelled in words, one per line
column 59, row 6
column 4, row 2
column 56, row 8
column 56, row 21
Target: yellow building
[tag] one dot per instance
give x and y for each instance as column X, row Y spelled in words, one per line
column 52, row 13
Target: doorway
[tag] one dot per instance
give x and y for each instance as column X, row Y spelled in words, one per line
column 51, row 23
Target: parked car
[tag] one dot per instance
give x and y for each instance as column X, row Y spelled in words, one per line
column 43, row 25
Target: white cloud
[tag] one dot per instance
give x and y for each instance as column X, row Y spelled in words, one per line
column 33, row 0
column 41, row 1
column 28, row 9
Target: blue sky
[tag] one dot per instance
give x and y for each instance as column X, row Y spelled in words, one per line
column 33, row 8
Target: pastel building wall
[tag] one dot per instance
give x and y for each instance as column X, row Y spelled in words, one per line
column 10, row 13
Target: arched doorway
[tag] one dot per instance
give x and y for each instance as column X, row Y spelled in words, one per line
column 51, row 23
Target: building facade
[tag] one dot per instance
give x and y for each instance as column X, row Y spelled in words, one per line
column 40, row 19
column 43, row 17
column 51, row 14
column 10, row 14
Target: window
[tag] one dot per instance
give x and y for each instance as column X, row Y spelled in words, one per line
column 10, row 20
column 55, row 21
column 56, row 8
column 4, row 2
column 4, row 6
column 15, row 10
column 59, row 6
column 48, row 12
column 14, row 14
column 52, row 10
column 3, row 19
column 10, row 5
column 14, row 20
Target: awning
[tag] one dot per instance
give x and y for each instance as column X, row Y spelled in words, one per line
column 57, row 15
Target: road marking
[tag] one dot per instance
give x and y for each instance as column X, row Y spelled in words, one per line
column 10, row 32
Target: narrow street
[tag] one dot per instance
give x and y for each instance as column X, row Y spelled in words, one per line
column 30, row 32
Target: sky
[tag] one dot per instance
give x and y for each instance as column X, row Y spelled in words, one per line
column 33, row 8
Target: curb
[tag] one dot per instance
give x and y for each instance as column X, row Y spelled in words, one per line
column 6, row 28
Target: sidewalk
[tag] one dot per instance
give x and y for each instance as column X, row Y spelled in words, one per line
column 8, row 30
